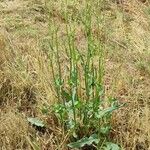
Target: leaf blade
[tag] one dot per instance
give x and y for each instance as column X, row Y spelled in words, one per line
column 84, row 141
column 35, row 121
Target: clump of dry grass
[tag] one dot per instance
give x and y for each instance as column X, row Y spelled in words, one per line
column 13, row 131
column 130, row 80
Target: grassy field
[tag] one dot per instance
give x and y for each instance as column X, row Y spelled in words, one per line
column 74, row 74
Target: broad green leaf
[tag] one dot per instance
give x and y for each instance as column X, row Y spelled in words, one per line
column 84, row 141
column 104, row 112
column 111, row 146
column 36, row 122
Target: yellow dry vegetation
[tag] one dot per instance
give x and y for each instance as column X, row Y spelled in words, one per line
column 26, row 77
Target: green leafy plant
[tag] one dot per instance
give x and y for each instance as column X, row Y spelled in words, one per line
column 81, row 99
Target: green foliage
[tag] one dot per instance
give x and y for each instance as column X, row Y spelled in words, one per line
column 84, row 141
column 36, row 122
column 80, row 109
column 111, row 146
column 88, row 122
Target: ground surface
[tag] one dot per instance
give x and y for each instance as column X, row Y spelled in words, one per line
column 25, row 74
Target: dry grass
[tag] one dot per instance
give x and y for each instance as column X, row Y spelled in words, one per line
column 25, row 73
column 13, row 131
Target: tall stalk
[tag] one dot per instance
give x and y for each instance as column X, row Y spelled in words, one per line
column 73, row 77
